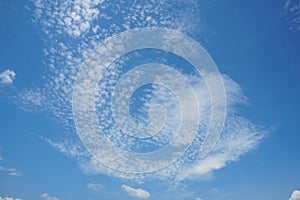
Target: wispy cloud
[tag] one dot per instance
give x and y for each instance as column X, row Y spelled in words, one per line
column 9, row 198
column 10, row 171
column 48, row 197
column 295, row 195
column 138, row 193
column 7, row 76
column 96, row 187
column 292, row 7
column 240, row 136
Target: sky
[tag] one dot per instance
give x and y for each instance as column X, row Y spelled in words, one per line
column 159, row 99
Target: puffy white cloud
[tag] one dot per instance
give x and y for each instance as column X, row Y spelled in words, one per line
column 198, row 198
column 96, row 187
column 9, row 198
column 7, row 76
column 295, row 195
column 138, row 193
column 47, row 197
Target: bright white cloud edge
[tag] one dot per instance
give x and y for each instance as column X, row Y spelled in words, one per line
column 7, row 76
column 295, row 195
column 138, row 193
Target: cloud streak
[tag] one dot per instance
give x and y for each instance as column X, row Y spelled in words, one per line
column 10, row 171
column 292, row 9
column 9, row 198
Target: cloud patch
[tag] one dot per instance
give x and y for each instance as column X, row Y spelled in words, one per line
column 9, row 198
column 292, row 8
column 138, row 193
column 295, row 195
column 7, row 76
column 95, row 187
column 46, row 196
column 10, row 171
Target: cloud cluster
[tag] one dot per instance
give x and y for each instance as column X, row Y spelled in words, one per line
column 295, row 195
column 138, row 193
column 74, row 29
column 47, row 197
column 293, row 10
column 7, row 76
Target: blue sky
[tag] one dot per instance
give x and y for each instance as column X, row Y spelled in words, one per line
column 255, row 46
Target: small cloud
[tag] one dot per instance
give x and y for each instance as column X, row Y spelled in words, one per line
column 295, row 195
column 1, row 158
column 198, row 198
column 95, row 187
column 47, row 197
column 9, row 198
column 138, row 193
column 10, row 171
column 7, row 76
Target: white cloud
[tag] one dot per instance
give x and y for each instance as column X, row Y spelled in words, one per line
column 91, row 19
column 240, row 137
column 198, row 198
column 10, row 171
column 96, row 187
column 9, row 198
column 7, row 76
column 47, row 197
column 295, row 195
column 138, row 193
column 293, row 10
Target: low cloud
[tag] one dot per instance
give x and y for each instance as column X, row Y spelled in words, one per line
column 295, row 195
column 47, row 197
column 7, row 76
column 138, row 193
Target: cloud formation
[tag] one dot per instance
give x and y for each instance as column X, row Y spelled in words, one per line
column 47, row 197
column 10, row 171
column 96, row 187
column 295, row 195
column 85, row 24
column 9, row 198
column 7, row 76
column 292, row 7
column 138, row 193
